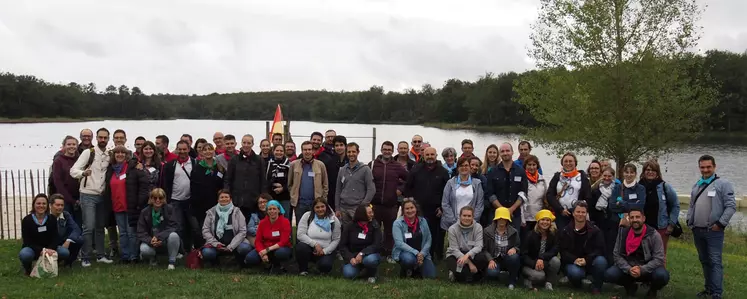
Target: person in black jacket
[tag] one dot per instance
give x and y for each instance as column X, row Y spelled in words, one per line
column 507, row 186
column 360, row 244
column 566, row 188
column 126, row 189
column 70, row 238
column 541, row 262
column 277, row 178
column 245, row 177
column 333, row 162
column 581, row 247
column 157, row 229
column 206, row 182
column 425, row 184
column 39, row 233
column 177, row 177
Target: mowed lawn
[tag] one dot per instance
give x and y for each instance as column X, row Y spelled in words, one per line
column 142, row 281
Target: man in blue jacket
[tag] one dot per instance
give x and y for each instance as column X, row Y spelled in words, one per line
column 70, row 235
column 712, row 204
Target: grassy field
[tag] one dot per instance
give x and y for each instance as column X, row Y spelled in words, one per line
column 141, row 281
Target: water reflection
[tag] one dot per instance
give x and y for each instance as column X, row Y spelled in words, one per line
column 738, row 221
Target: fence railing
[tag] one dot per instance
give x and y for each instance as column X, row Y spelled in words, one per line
column 17, row 190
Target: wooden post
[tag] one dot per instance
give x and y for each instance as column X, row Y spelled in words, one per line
column 373, row 145
column 15, row 215
column 31, row 177
column 286, row 133
column 267, row 130
column 2, row 226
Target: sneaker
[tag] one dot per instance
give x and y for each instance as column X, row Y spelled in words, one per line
column 372, row 280
column 390, row 260
column 170, row 267
column 304, row 273
column 563, row 279
column 585, row 281
column 179, row 256
column 104, row 260
column 451, row 276
column 511, row 287
column 85, row 263
column 703, row 294
column 153, row 262
column 339, row 256
column 528, row 284
column 548, row 286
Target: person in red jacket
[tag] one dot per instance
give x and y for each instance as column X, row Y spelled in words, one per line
column 389, row 178
column 272, row 245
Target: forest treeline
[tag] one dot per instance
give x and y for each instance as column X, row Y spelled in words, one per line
column 488, row 101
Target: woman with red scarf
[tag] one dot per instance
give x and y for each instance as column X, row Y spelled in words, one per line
column 536, row 192
column 360, row 244
column 412, row 243
column 566, row 188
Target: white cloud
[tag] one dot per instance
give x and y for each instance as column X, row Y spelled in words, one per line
column 228, row 46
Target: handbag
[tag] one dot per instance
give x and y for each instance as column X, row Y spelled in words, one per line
column 194, row 259
column 46, row 266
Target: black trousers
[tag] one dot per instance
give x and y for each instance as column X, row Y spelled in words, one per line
column 437, row 234
column 480, row 261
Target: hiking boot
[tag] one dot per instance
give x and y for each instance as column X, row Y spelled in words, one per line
column 703, row 294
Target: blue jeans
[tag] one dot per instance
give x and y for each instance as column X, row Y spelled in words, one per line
column 409, row 261
column 127, row 241
column 511, row 263
column 277, row 256
column 68, row 255
column 597, row 268
column 287, row 207
column 94, row 214
column 370, row 263
column 211, row 254
column 658, row 279
column 27, row 257
column 710, row 245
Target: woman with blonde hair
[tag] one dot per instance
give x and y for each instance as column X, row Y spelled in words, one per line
column 539, row 252
column 491, row 159
column 157, row 229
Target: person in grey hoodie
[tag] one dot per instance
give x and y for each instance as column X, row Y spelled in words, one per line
column 224, row 230
column 461, row 190
column 712, row 204
column 465, row 245
column 355, row 186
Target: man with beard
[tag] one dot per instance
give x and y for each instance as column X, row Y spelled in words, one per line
column 329, row 140
column 316, row 141
column 307, row 180
column 639, row 257
column 355, row 186
column 162, row 142
column 333, row 163
column 425, row 184
column 508, row 185
column 290, row 150
column 177, row 176
column 581, row 247
column 388, row 177
column 90, row 169
column 245, row 177
column 229, row 151
column 402, row 157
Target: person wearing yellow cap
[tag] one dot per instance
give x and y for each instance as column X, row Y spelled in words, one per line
column 501, row 247
column 540, row 252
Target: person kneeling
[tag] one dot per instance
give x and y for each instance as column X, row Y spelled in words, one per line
column 539, row 252
column 501, row 247
column 465, row 245
column 224, row 231
column 70, row 235
column 318, row 236
column 272, row 245
column 581, row 246
column 39, row 233
column 360, row 244
column 639, row 257
column 412, row 243
column 157, row 229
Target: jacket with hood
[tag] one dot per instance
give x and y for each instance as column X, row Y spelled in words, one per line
column 136, row 186
column 65, row 184
column 238, row 224
column 333, row 164
column 355, row 186
column 246, row 179
column 426, row 185
column 171, row 223
column 488, row 237
column 653, row 251
column 388, row 177
column 593, row 245
column 204, row 187
column 448, row 203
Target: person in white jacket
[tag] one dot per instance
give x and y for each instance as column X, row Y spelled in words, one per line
column 536, row 193
column 224, row 231
column 318, row 235
column 90, row 169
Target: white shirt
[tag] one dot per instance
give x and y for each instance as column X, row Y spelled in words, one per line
column 464, row 195
column 570, row 195
column 181, row 186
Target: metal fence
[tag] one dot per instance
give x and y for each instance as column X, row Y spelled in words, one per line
column 17, row 190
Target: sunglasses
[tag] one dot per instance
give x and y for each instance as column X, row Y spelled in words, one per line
column 159, row 198
column 417, row 141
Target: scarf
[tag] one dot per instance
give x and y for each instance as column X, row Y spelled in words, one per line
column 156, row 217
column 319, row 152
column 363, row 226
column 650, row 184
column 459, row 181
column 632, row 242
column 606, row 191
column 570, row 174
column 208, row 168
column 43, row 222
column 533, row 178
column 117, row 168
column 450, row 169
column 466, row 230
column 182, row 160
column 629, row 185
column 705, row 181
column 223, row 213
column 324, row 223
column 416, row 154
column 413, row 226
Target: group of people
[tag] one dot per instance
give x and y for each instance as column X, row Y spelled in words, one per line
column 500, row 214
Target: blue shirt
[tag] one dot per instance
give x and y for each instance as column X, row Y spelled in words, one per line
column 306, row 192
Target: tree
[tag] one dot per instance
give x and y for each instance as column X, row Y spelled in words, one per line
column 616, row 79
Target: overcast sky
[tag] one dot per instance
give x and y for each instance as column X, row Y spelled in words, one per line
column 241, row 45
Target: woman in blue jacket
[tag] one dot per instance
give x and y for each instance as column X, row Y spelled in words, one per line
column 662, row 207
column 412, row 243
column 70, row 235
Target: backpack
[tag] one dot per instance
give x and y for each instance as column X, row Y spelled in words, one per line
column 91, row 156
column 311, row 218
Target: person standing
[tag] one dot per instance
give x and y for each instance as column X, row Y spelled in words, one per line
column 461, row 190
column 218, row 140
column 417, row 148
column 450, row 163
column 566, row 188
column 402, row 157
column 290, row 150
column 277, row 139
column 536, row 194
column 468, row 149
column 662, row 207
column 316, row 141
column 329, row 140
column 90, row 169
column 307, row 180
column 245, row 177
column 712, row 205
column 425, row 184
column 388, row 178
column 265, row 149
column 65, row 184
column 205, row 183
column 229, row 150
column 193, row 153
column 278, row 169
column 508, row 186
column 177, row 180
column 148, row 159
column 334, row 162
column 162, row 142
column 355, row 186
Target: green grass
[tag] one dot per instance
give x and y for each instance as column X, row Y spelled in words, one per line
column 141, row 281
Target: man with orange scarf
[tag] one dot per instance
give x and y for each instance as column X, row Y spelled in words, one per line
column 416, row 152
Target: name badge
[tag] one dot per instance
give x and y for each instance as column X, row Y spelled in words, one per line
column 408, row 235
column 342, row 180
column 310, row 174
column 276, row 234
column 280, row 175
column 229, row 227
column 42, row 229
column 161, row 218
column 633, row 196
column 712, row 193
column 663, row 197
column 517, row 179
column 361, row 236
column 219, row 175
column 123, row 176
column 151, row 169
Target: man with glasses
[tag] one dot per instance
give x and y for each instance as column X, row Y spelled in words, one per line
column 218, row 141
column 417, row 148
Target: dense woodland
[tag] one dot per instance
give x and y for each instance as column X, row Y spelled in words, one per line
column 489, row 101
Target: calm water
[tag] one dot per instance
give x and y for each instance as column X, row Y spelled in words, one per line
column 31, row 146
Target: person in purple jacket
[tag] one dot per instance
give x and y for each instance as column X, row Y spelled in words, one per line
column 65, row 184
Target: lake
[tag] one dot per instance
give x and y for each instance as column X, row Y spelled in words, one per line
column 31, row 146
